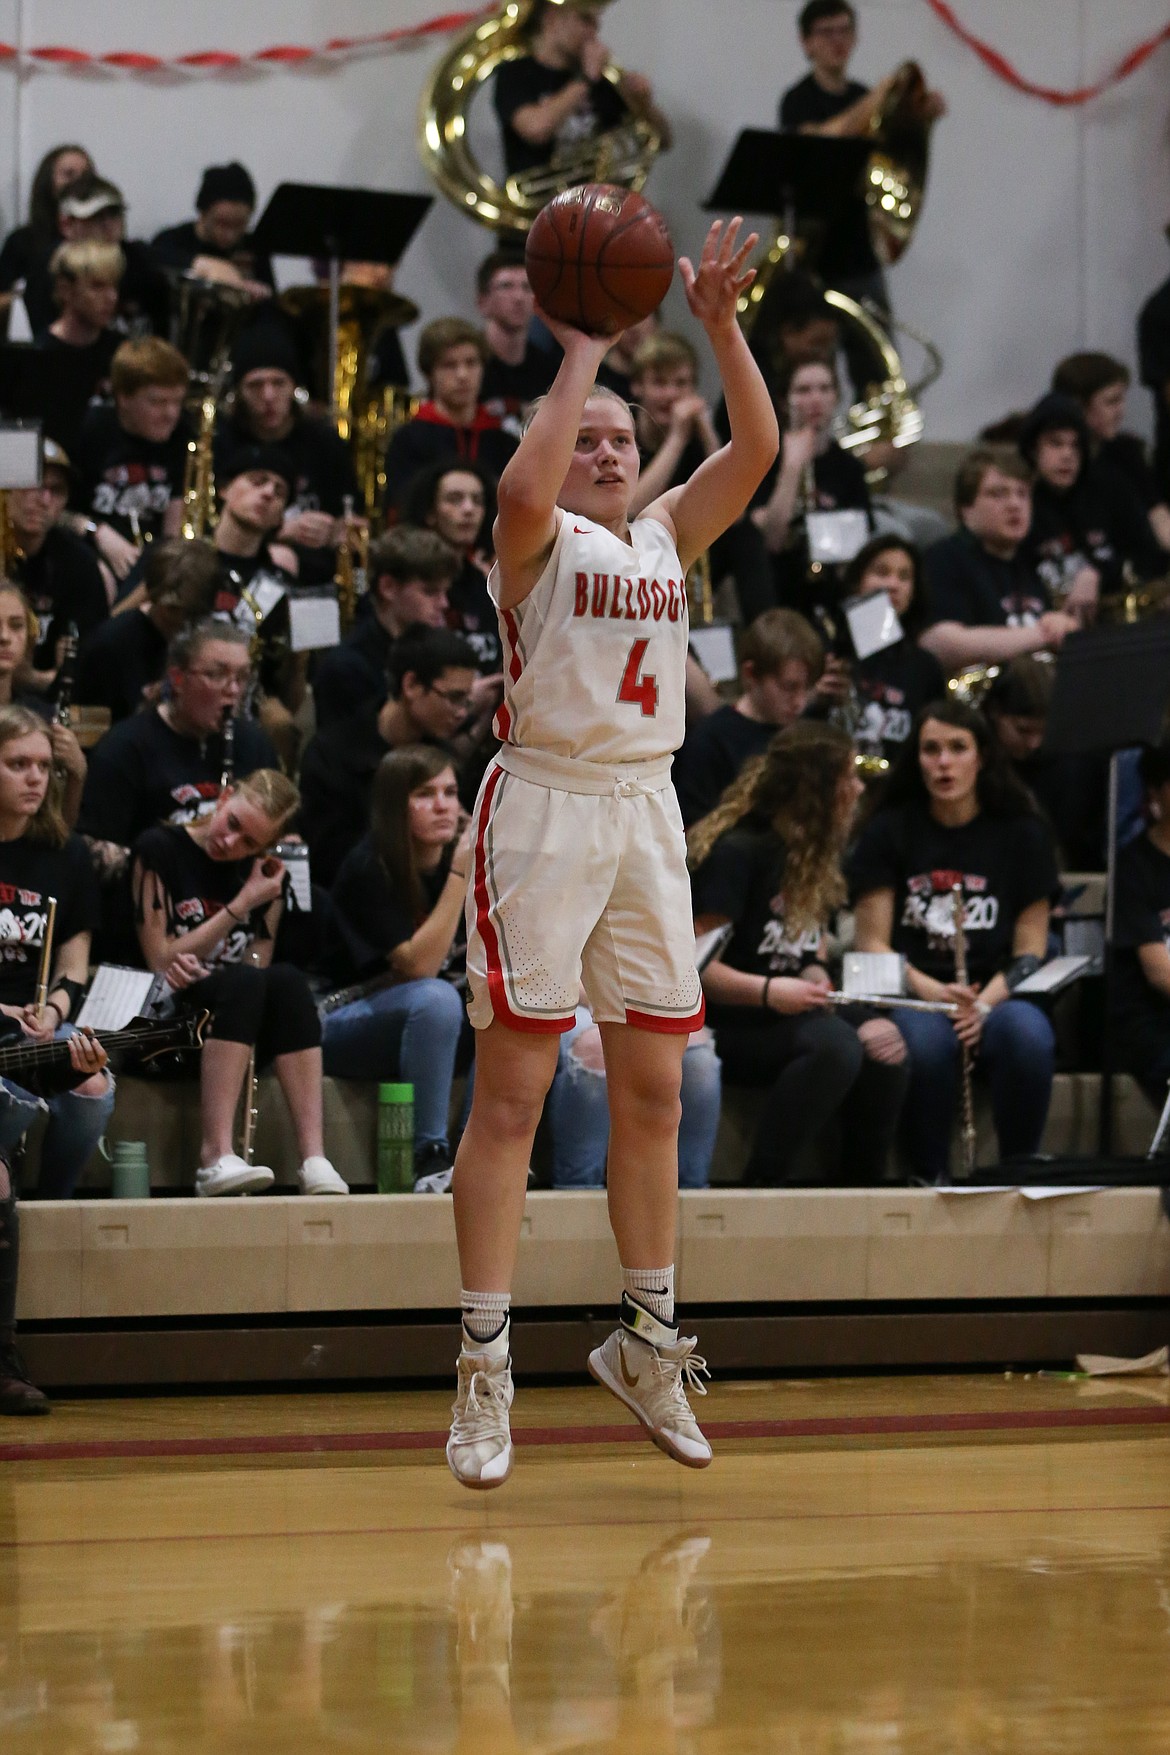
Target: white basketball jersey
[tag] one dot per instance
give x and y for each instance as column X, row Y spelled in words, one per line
column 595, row 656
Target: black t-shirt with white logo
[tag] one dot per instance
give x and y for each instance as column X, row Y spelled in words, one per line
column 966, row 583
column 30, row 873
column 471, row 613
column 1003, row 863
column 527, row 81
column 197, row 887
column 892, row 686
column 119, row 474
column 63, row 582
column 323, row 478
column 1141, row 917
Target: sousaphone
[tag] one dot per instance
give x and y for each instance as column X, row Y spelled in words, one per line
column 622, row 155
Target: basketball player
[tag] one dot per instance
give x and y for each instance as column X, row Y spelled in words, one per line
column 579, row 873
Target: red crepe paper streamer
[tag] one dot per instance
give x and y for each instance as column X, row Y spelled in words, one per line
column 1049, row 94
column 224, row 60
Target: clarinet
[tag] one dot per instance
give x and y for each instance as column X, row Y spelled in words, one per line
column 960, row 950
column 227, row 773
column 66, row 669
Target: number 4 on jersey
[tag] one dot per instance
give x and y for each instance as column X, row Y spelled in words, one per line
column 639, row 691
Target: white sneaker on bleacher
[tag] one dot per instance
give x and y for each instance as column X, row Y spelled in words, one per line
column 231, row 1175
column 317, row 1176
column 479, row 1449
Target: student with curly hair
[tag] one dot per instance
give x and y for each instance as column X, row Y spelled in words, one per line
column 767, row 861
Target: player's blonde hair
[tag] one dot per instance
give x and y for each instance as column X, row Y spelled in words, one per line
column 597, row 391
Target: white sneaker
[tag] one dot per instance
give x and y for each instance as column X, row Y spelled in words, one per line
column 231, row 1175
column 650, row 1381
column 317, row 1176
column 435, row 1181
column 479, row 1450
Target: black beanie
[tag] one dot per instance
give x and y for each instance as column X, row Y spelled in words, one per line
column 225, row 183
column 274, row 458
column 264, row 347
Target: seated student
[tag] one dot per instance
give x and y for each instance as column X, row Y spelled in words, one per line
column 18, row 630
column 81, row 341
column 266, row 412
column 38, row 237
column 891, row 686
column 813, row 474
column 767, row 861
column 556, row 95
column 578, row 1108
column 217, row 245
column 131, row 459
column 57, row 571
column 614, row 371
column 431, row 679
column 781, row 660
column 1086, row 524
column 986, row 601
column 1071, row 791
column 92, row 210
column 953, row 813
column 1100, row 384
column 410, row 573
column 452, row 424
column 39, row 858
column 516, row 371
column 458, row 502
column 122, row 662
column 1139, row 994
column 397, row 908
column 164, row 764
column 207, row 906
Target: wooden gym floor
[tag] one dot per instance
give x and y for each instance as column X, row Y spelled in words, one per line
column 915, row 1566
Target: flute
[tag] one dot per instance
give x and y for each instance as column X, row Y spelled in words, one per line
column 958, row 905
column 948, row 1006
column 46, row 957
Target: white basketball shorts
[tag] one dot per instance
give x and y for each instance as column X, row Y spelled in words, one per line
column 579, row 878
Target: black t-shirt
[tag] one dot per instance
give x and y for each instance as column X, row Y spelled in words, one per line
column 17, row 255
column 1127, row 456
column 840, row 486
column 1004, row 864
column 1141, row 917
column 349, row 675
column 63, row 582
column 324, row 477
column 117, row 661
column 967, row 584
column 892, row 686
column 71, row 377
column 197, row 887
column 712, row 754
column 431, row 438
column 507, row 389
column 471, row 613
column 848, row 251
column 178, row 246
column 30, row 873
column 143, row 295
column 142, row 772
column 527, row 81
column 369, row 918
column 119, row 473
column 1098, row 522
column 742, row 880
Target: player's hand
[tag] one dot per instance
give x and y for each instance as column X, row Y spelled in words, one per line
column 576, row 341
column 685, row 414
column 261, row 887
column 310, row 529
column 968, row 1022
column 86, row 1053
column 712, row 290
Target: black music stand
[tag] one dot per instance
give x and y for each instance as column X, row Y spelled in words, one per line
column 794, row 178
column 1111, row 691
column 344, row 225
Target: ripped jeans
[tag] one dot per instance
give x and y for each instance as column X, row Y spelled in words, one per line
column 76, row 1124
column 579, row 1114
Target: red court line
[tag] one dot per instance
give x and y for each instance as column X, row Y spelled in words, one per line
column 326, row 1443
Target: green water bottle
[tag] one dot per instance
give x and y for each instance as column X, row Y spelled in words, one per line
column 395, row 1139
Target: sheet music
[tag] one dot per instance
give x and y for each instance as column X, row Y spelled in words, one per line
column 1053, row 975
column 878, row 972
column 714, row 647
column 314, row 621
column 116, row 995
column 295, row 855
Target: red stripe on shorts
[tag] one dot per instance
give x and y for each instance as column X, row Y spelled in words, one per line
column 491, row 944
column 668, row 1026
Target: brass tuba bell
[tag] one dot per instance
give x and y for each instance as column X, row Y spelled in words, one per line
column 621, row 155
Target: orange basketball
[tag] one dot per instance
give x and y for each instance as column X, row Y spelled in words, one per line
column 600, row 258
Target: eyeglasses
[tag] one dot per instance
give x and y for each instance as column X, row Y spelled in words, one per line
column 453, row 697
column 222, row 676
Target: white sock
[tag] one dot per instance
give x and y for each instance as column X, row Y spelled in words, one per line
column 653, row 1289
column 485, row 1314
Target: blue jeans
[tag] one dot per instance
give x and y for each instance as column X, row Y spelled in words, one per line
column 410, row 1032
column 579, row 1115
column 1017, row 1053
column 76, row 1124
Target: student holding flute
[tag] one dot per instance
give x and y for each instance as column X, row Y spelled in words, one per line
column 953, row 817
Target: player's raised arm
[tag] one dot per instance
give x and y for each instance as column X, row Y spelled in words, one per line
column 721, row 488
column 526, row 523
